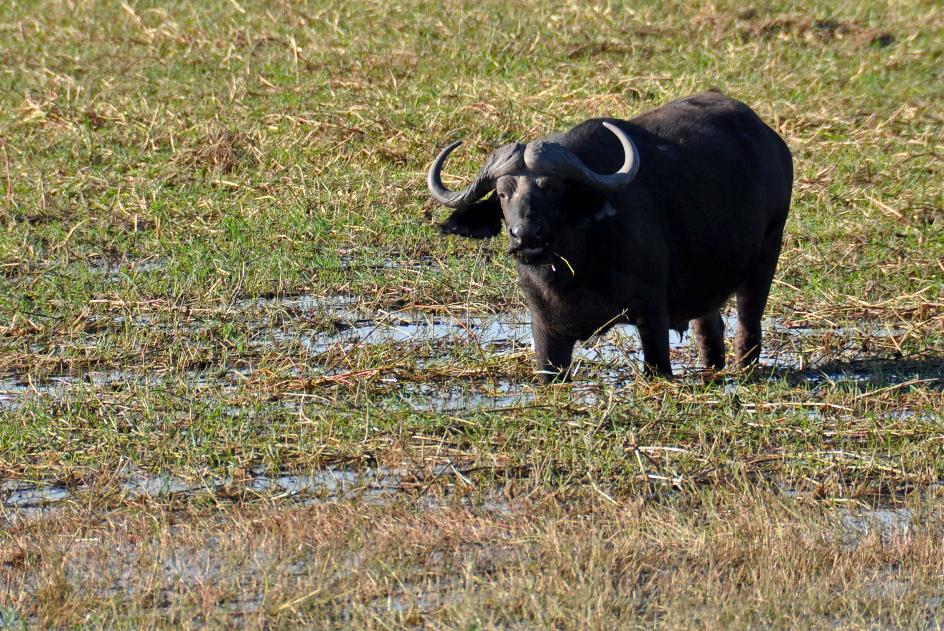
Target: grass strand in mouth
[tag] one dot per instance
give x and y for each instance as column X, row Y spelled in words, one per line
column 567, row 263
column 242, row 376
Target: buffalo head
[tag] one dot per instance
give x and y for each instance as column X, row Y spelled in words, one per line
column 528, row 187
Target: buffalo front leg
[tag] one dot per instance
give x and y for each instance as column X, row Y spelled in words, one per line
column 653, row 326
column 552, row 354
column 709, row 333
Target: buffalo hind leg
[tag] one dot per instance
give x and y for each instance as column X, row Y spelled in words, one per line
column 752, row 300
column 552, row 354
column 750, row 307
column 709, row 333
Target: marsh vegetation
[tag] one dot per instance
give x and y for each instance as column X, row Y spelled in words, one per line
column 243, row 382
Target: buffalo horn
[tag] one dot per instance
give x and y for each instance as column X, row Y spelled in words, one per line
column 503, row 160
column 545, row 156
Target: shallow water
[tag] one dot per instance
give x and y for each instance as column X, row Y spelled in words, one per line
column 22, row 494
column 30, row 499
column 371, row 486
column 452, row 396
column 326, row 484
column 376, row 485
column 889, row 524
column 300, row 302
column 496, row 333
column 435, row 339
column 115, row 272
column 15, row 392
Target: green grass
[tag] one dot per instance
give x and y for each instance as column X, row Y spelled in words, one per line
column 173, row 174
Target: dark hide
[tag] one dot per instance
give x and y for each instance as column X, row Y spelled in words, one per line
column 702, row 221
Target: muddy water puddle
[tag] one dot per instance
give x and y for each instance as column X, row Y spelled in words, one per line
column 15, row 392
column 373, row 485
column 437, row 339
column 615, row 357
column 370, row 485
column 454, row 397
column 30, row 498
column 786, row 345
column 496, row 334
column 889, row 524
column 116, row 271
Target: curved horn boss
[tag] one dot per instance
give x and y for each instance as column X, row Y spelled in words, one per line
column 543, row 156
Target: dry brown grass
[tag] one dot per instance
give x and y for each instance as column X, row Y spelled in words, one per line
column 716, row 559
column 216, row 150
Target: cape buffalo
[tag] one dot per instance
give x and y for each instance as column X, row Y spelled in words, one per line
column 653, row 221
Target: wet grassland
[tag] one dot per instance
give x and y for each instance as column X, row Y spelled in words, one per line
column 243, row 382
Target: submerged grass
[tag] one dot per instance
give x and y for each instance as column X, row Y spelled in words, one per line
column 215, row 247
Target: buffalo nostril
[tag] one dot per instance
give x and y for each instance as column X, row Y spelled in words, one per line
column 526, row 232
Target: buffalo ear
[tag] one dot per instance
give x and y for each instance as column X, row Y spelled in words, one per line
column 583, row 204
column 481, row 220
